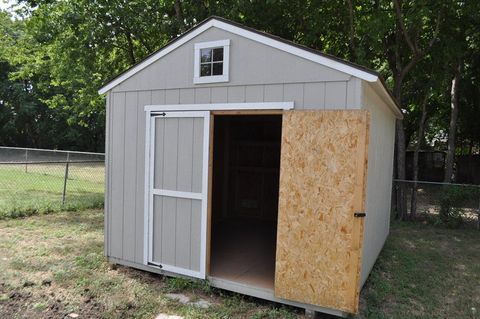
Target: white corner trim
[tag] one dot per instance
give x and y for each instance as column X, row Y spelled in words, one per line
column 336, row 65
column 220, row 106
column 225, row 44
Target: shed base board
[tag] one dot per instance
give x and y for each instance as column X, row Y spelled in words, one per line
column 267, row 294
column 152, row 269
column 261, row 293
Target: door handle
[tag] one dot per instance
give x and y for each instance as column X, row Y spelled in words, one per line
column 359, row 214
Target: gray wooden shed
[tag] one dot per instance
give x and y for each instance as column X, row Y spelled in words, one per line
column 247, row 160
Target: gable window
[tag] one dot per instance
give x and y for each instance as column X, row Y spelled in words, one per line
column 211, row 62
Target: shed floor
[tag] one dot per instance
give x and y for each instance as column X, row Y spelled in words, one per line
column 243, row 251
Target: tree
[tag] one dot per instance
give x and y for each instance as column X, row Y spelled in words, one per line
column 461, row 39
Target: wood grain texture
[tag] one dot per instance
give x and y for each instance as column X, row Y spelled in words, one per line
column 322, row 183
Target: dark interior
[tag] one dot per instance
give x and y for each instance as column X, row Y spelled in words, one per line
column 246, row 165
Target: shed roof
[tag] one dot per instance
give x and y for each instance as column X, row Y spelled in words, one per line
column 302, row 51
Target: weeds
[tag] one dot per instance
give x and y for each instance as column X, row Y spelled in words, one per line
column 44, row 208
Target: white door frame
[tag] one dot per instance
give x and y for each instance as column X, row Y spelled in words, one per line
column 186, row 110
column 151, row 191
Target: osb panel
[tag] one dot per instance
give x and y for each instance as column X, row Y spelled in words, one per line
column 322, row 183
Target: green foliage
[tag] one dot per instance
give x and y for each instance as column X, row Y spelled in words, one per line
column 53, row 61
column 451, row 201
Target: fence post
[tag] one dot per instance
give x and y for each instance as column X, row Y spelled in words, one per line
column 26, row 161
column 65, row 182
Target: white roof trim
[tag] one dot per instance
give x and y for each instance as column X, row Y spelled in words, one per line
column 336, row 65
column 378, row 87
column 166, row 50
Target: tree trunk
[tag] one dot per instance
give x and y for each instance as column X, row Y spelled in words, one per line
column 421, row 134
column 400, row 150
column 179, row 14
column 400, row 154
column 130, row 49
column 449, row 159
column 351, row 17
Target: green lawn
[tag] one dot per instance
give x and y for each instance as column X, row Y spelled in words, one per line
column 40, row 189
column 423, row 272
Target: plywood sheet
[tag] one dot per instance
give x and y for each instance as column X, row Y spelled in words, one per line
column 322, row 184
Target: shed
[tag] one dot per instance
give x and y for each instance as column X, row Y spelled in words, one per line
column 252, row 162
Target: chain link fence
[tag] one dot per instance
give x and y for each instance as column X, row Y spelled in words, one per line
column 448, row 203
column 33, row 180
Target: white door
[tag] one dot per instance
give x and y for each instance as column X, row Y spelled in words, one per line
column 177, row 191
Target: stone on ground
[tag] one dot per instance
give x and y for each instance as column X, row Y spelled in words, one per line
column 181, row 298
column 204, row 304
column 165, row 316
column 201, row 303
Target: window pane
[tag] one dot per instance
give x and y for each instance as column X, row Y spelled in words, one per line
column 218, row 54
column 206, row 69
column 218, row 68
column 205, row 55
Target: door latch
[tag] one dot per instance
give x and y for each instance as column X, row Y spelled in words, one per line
column 359, row 214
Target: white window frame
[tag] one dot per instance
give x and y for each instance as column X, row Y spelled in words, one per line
column 225, row 44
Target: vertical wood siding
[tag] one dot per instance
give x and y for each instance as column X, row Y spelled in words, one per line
column 175, row 218
column 176, row 235
column 126, row 162
column 379, row 179
column 129, row 188
column 310, row 95
column 269, row 76
column 117, row 176
column 178, row 162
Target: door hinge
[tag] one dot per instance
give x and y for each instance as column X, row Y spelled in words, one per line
column 155, row 265
column 359, row 214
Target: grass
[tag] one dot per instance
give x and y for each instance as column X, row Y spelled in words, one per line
column 53, row 265
column 67, row 249
column 40, row 188
column 425, row 272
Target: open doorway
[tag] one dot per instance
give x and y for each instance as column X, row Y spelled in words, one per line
column 246, row 170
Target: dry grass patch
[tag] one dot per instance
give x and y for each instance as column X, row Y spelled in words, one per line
column 53, row 265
